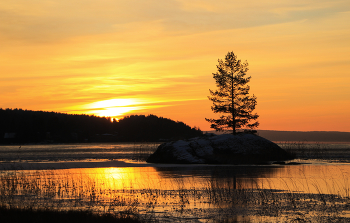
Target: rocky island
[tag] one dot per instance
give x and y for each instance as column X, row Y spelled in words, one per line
column 220, row 149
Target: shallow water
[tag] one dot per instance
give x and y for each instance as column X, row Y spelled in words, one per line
column 75, row 152
column 316, row 191
column 332, row 151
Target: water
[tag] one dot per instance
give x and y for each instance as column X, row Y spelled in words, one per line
column 332, row 152
column 130, row 151
column 318, row 190
column 75, row 152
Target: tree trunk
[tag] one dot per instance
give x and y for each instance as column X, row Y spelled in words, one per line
column 233, row 108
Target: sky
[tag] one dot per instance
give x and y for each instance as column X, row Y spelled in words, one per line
column 123, row 57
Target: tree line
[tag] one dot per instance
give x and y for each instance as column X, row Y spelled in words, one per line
column 26, row 126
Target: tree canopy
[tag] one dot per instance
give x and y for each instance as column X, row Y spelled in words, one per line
column 232, row 96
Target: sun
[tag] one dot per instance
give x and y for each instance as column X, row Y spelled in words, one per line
column 114, row 107
column 113, row 103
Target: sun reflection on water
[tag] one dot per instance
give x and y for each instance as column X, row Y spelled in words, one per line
column 203, row 191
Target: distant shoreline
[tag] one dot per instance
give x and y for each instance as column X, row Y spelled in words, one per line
column 67, row 165
column 301, row 136
column 82, row 164
column 15, row 166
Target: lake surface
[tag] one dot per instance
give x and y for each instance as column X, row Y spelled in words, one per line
column 317, row 190
column 75, row 152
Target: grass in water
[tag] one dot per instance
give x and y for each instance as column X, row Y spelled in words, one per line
column 16, row 215
column 47, row 196
column 43, row 195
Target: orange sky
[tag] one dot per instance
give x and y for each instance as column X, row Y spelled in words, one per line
column 113, row 57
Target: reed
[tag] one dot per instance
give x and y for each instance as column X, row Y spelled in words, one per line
column 179, row 199
column 142, row 151
column 305, row 150
column 15, row 215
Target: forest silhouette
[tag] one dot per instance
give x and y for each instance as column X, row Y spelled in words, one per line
column 26, row 126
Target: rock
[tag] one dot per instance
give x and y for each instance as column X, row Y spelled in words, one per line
column 279, row 162
column 220, row 149
column 293, row 163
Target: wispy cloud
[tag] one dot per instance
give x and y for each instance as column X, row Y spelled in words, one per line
column 64, row 55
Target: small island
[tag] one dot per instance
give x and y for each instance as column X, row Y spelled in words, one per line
column 242, row 148
column 232, row 99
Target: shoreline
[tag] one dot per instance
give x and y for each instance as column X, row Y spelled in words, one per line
column 68, row 165
column 124, row 164
column 87, row 164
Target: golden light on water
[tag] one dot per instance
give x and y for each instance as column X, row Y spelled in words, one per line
column 305, row 179
column 116, row 178
column 168, row 190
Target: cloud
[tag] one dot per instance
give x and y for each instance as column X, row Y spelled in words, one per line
column 59, row 54
column 47, row 21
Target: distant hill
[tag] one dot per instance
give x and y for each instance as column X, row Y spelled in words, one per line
column 312, row 136
column 25, row 126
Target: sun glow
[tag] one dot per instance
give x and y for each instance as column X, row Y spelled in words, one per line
column 114, row 107
column 117, row 108
column 114, row 112
column 116, row 59
column 121, row 102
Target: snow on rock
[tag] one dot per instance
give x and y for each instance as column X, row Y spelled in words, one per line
column 220, row 149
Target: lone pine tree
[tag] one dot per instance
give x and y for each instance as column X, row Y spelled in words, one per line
column 232, row 96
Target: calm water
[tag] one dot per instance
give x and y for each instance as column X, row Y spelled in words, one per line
column 75, row 152
column 316, row 191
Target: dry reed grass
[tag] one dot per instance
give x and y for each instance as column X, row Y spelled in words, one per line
column 213, row 198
